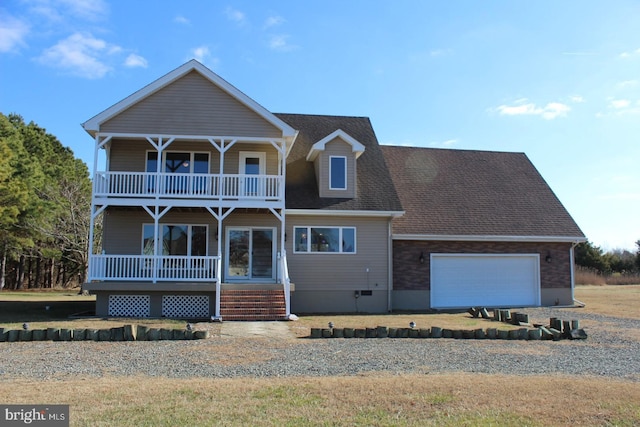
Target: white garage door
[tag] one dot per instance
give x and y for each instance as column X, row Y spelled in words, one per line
column 470, row 280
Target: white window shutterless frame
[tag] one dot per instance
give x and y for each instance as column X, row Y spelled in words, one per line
column 337, row 173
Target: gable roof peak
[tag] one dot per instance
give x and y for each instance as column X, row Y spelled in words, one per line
column 356, row 147
column 93, row 124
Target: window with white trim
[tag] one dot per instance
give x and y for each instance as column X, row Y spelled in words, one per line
column 337, row 173
column 176, row 239
column 179, row 162
column 190, row 169
column 324, row 239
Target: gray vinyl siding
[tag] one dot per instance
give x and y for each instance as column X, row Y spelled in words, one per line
column 337, row 147
column 191, row 105
column 331, row 271
column 240, row 219
column 123, row 227
column 126, row 155
column 130, row 155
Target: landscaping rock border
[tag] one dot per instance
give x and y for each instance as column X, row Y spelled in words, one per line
column 123, row 333
column 556, row 330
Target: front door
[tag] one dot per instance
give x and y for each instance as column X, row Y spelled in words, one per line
column 250, row 254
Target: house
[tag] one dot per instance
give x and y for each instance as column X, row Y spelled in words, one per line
column 212, row 206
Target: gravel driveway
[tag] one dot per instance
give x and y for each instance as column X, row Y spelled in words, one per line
column 612, row 350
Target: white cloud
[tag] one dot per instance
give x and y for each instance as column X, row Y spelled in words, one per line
column 81, row 55
column 549, row 112
column 273, row 21
column 89, row 9
column 630, row 54
column 59, row 10
column 619, row 103
column 203, row 54
column 12, row 33
column 440, row 52
column 577, row 99
column 280, row 43
column 619, row 108
column 181, row 20
column 555, row 109
column 627, row 84
column 236, row 16
column 134, row 61
column 445, row 144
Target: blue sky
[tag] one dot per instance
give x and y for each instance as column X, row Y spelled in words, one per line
column 559, row 81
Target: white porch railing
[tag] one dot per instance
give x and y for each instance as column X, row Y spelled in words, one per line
column 153, row 268
column 186, row 185
column 286, row 281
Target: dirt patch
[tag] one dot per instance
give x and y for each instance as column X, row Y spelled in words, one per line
column 276, row 330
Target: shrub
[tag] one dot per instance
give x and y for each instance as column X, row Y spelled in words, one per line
column 588, row 276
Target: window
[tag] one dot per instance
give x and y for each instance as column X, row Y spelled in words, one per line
column 325, row 239
column 189, row 240
column 337, row 173
column 185, row 164
column 175, row 162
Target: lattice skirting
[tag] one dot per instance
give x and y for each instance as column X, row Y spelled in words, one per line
column 185, row 306
column 129, row 305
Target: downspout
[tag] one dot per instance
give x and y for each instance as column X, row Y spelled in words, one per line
column 389, row 266
column 573, row 267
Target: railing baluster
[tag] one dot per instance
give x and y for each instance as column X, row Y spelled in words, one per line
column 187, row 185
column 142, row 267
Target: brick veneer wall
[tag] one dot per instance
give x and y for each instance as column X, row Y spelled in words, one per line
column 410, row 274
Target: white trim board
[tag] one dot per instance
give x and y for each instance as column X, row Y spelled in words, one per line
column 342, row 213
column 489, row 238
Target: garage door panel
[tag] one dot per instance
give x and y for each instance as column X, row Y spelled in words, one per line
column 484, row 280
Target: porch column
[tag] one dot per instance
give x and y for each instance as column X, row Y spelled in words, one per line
column 156, row 215
column 92, row 221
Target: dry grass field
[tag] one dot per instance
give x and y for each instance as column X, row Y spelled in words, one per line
column 618, row 301
column 380, row 399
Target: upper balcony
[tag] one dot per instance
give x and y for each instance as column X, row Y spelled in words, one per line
column 227, row 187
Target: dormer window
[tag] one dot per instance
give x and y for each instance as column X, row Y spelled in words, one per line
column 335, row 161
column 337, row 173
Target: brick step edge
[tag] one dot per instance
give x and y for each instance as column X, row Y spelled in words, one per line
column 224, row 313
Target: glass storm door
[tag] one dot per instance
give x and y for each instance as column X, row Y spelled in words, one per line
column 250, row 254
column 262, row 253
column 251, row 164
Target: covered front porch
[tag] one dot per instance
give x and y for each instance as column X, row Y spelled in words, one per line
column 190, row 250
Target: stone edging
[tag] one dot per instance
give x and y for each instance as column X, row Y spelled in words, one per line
column 124, row 333
column 556, row 330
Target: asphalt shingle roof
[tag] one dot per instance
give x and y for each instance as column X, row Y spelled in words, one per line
column 474, row 193
column 375, row 191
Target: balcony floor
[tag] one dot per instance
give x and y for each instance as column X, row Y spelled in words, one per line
column 131, row 286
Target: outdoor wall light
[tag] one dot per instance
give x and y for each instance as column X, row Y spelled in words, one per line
column 421, row 259
column 548, row 257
